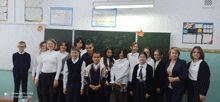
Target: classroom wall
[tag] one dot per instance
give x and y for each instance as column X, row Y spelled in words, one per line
column 166, row 16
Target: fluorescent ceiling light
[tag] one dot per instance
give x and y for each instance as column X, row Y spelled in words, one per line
column 123, row 4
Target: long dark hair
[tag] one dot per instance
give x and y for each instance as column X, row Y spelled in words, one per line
column 110, row 58
column 78, row 40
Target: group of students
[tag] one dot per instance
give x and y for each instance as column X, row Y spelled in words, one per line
column 85, row 76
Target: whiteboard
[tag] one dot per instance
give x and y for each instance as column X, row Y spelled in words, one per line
column 11, row 35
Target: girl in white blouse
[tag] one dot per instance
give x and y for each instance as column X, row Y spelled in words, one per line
column 149, row 61
column 199, row 76
column 133, row 60
column 108, row 61
column 50, row 67
column 43, row 48
column 119, row 79
column 63, row 53
column 80, row 43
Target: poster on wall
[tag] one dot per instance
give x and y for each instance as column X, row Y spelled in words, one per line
column 3, row 10
column 197, row 33
column 33, row 11
column 104, row 18
column 61, row 16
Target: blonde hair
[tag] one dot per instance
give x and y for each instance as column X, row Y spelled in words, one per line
column 175, row 49
column 54, row 41
column 22, row 42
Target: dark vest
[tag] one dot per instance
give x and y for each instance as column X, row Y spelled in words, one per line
column 95, row 76
column 74, row 70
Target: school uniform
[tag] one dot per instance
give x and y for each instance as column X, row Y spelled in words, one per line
column 133, row 60
column 95, row 75
column 50, row 68
column 88, row 60
column 174, row 91
column 35, row 64
column 21, row 62
column 82, row 52
column 199, row 80
column 108, row 90
column 61, row 95
column 142, row 82
column 159, row 81
column 74, row 71
column 150, row 61
column 119, row 73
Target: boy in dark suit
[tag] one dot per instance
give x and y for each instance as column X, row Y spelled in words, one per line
column 21, row 62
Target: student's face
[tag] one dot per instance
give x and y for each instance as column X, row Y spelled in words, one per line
column 63, row 47
column 134, row 48
column 50, row 45
column 174, row 55
column 96, row 58
column 157, row 56
column 147, row 52
column 74, row 54
column 44, row 47
column 89, row 49
column 109, row 53
column 79, row 44
column 142, row 58
column 121, row 55
column 196, row 54
column 21, row 47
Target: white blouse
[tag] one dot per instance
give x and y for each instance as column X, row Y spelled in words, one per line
column 120, row 71
column 150, row 61
column 82, row 52
column 144, row 70
column 36, row 62
column 194, row 69
column 65, row 77
column 62, row 56
column 102, row 61
column 50, row 62
column 133, row 60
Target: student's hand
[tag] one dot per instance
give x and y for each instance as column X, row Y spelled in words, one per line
column 109, row 84
column 171, row 79
column 55, row 83
column 147, row 95
column 158, row 90
column 92, row 87
column 36, row 82
column 186, row 92
column 81, row 91
column 202, row 97
column 64, row 90
column 131, row 92
column 33, row 78
column 119, row 84
column 97, row 87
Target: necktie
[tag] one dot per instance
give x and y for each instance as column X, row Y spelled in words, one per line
column 140, row 73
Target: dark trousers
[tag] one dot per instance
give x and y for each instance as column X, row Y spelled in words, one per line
column 60, row 90
column 171, row 97
column 140, row 93
column 193, row 94
column 84, row 97
column 39, row 94
column 129, row 97
column 94, row 96
column 73, row 92
column 49, row 93
column 17, row 79
column 158, row 97
column 120, row 96
column 106, row 97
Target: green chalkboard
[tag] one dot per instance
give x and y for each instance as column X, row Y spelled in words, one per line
column 155, row 41
column 114, row 39
column 59, row 36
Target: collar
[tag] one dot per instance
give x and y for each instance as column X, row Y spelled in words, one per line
column 134, row 54
column 158, row 61
column 74, row 61
column 144, row 65
column 149, row 59
column 63, row 52
column 96, row 65
column 21, row 53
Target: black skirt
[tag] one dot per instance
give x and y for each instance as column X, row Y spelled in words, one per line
column 193, row 93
